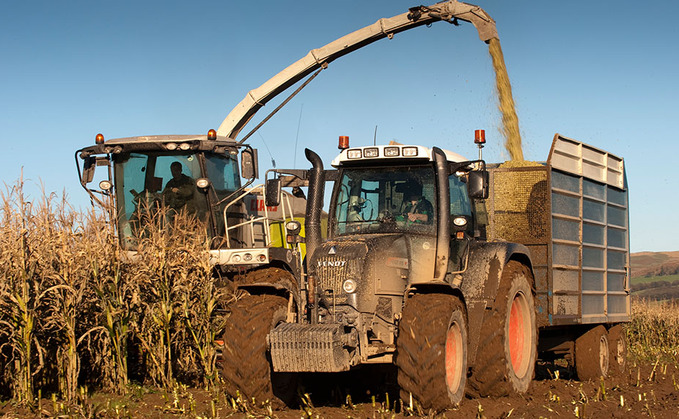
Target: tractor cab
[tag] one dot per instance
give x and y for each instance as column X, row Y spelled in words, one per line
column 399, row 190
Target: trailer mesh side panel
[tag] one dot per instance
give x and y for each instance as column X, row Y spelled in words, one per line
column 518, row 211
column 519, row 205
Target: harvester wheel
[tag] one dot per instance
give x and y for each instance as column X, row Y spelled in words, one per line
column 592, row 354
column 245, row 364
column 505, row 361
column 618, row 348
column 431, row 351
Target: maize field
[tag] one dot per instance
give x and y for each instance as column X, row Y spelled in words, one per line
column 77, row 312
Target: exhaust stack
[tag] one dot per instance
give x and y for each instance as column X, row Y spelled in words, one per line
column 315, row 200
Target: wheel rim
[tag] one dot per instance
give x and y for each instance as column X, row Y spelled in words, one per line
column 620, row 353
column 519, row 334
column 603, row 355
column 454, row 354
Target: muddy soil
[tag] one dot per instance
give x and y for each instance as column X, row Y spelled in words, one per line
column 645, row 390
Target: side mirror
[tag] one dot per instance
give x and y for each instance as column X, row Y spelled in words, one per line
column 89, row 165
column 478, row 184
column 273, row 192
column 248, row 163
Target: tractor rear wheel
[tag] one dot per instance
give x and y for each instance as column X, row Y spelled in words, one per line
column 431, row 351
column 592, row 354
column 507, row 351
column 245, row 365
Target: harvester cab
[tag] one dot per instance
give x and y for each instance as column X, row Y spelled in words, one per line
column 206, row 176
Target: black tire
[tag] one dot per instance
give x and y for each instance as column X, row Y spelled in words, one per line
column 617, row 340
column 245, row 364
column 507, row 351
column 592, row 354
column 431, row 351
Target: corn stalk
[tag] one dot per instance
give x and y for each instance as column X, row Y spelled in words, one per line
column 19, row 301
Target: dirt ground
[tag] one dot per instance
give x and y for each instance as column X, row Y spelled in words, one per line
column 646, row 390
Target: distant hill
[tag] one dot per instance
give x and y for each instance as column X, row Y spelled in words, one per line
column 655, row 275
column 651, row 264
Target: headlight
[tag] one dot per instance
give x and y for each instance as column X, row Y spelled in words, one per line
column 293, row 227
column 202, row 183
column 171, row 146
column 354, row 154
column 391, row 152
column 235, row 258
column 349, row 286
column 410, row 151
column 105, row 185
column 460, row 221
column 371, row 152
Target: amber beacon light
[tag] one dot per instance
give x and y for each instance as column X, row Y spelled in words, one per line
column 343, row 142
column 480, row 140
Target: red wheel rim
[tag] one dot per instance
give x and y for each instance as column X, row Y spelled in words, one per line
column 519, row 330
column 454, row 354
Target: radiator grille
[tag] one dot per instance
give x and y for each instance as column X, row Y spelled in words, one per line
column 333, row 271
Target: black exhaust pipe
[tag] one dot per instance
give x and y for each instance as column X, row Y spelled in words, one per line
column 443, row 227
column 314, row 203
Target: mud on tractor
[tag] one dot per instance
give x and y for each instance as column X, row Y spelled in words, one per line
column 459, row 273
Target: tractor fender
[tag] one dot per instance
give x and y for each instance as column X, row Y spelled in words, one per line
column 480, row 281
column 435, row 287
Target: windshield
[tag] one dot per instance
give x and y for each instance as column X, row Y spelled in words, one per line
column 149, row 181
column 385, row 200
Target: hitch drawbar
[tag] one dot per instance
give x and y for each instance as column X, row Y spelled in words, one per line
column 309, row 348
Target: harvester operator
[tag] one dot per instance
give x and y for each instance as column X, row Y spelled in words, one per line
column 179, row 190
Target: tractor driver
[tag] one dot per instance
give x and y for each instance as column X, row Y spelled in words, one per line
column 179, row 190
column 418, row 209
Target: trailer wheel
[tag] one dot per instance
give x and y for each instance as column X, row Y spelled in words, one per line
column 245, row 364
column 618, row 350
column 505, row 361
column 431, row 351
column 592, row 354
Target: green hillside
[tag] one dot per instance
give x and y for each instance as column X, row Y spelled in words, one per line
column 655, row 275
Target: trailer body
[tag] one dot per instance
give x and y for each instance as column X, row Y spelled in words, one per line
column 572, row 213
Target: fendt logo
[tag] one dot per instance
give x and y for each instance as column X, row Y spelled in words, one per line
column 332, row 263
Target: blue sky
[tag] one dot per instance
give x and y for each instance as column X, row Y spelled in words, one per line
column 602, row 72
